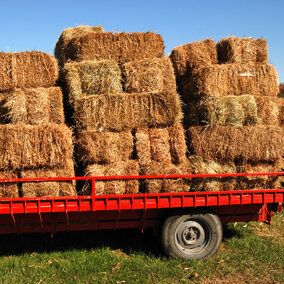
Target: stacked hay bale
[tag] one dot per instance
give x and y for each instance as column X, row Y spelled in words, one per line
column 123, row 94
column 35, row 142
column 231, row 108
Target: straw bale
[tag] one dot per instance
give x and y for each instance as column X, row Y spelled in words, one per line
column 51, row 188
column 127, row 111
column 231, row 79
column 242, row 50
column 280, row 104
column 178, row 148
column 26, row 146
column 259, row 182
column 120, row 47
column 8, row 189
column 225, row 143
column 200, row 166
column 149, row 75
column 104, row 147
column 166, row 185
column 229, row 110
column 195, row 54
column 267, row 110
column 32, row 106
column 121, row 168
column 30, row 69
column 91, row 78
column 165, row 145
column 281, row 91
column 67, row 35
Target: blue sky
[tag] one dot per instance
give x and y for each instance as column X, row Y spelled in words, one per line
column 36, row 25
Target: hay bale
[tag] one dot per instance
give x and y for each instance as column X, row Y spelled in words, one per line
column 259, row 182
column 166, row 185
column 32, row 106
column 281, row 91
column 51, row 188
column 120, row 47
column 67, row 35
column 229, row 110
column 153, row 75
column 247, row 143
column 8, row 189
column 231, row 79
column 242, row 50
column 280, row 104
column 30, row 69
column 26, row 146
column 165, row 145
column 104, row 147
column 267, row 110
column 177, row 141
column 91, row 78
column 162, row 151
column 200, row 166
column 127, row 111
column 194, row 54
column 122, row 168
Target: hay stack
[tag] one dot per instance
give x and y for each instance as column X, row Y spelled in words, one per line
column 248, row 143
column 105, row 116
column 122, row 168
column 91, row 78
column 32, row 106
column 8, row 189
column 242, row 50
column 127, row 111
column 104, row 147
column 69, row 34
column 53, row 188
column 120, row 47
column 231, row 79
column 153, row 75
column 31, row 69
column 191, row 55
column 26, row 146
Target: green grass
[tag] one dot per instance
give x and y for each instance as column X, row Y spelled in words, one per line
column 250, row 253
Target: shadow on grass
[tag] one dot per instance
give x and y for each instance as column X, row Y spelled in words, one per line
column 127, row 240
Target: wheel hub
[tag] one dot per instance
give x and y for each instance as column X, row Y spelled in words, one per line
column 189, row 235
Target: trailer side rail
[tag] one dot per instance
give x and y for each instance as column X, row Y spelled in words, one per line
column 146, row 201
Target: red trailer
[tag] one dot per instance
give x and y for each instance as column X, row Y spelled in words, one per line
column 190, row 223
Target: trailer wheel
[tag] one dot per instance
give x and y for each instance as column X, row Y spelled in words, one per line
column 192, row 235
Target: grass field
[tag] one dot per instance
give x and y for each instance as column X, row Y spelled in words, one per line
column 250, row 253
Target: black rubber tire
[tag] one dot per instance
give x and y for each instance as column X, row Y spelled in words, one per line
column 192, row 235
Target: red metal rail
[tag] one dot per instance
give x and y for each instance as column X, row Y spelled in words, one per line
column 139, row 201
